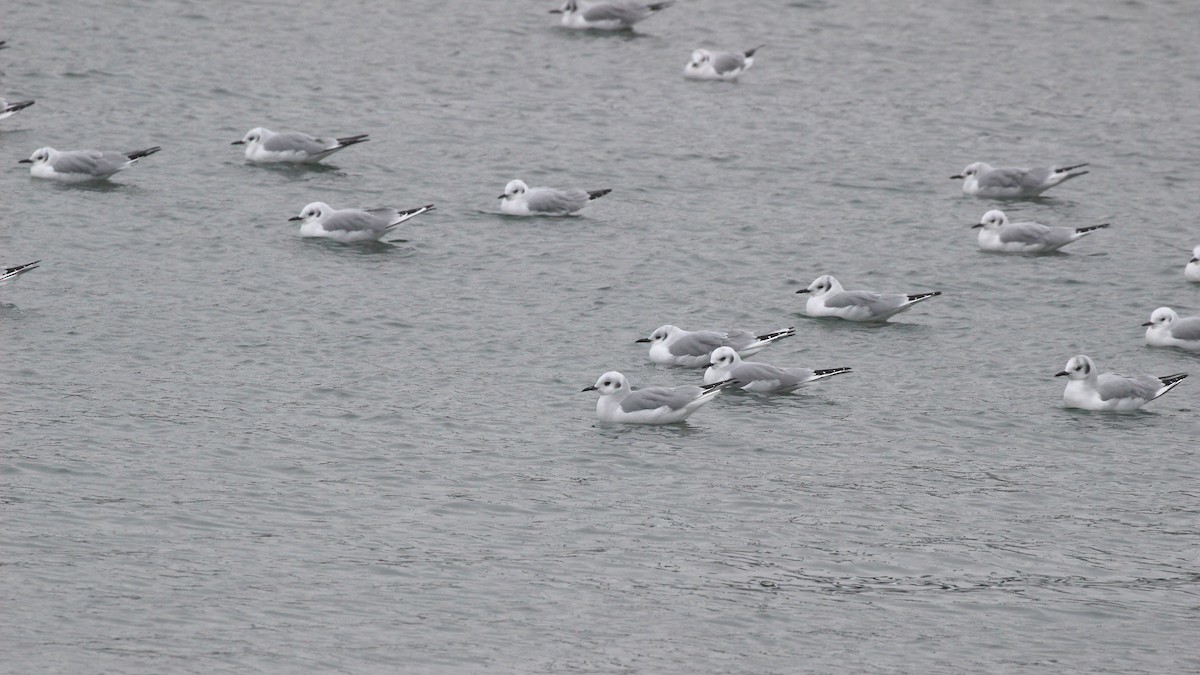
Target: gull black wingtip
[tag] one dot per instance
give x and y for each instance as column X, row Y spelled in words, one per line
column 591, row 388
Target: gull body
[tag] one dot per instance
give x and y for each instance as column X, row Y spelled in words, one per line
column 997, row 234
column 760, row 377
column 653, row 405
column 983, row 180
column 725, row 66
column 81, row 166
column 1090, row 390
column 521, row 200
column 351, row 226
column 606, row 15
column 674, row 346
column 828, row 298
column 264, row 146
column 1166, row 329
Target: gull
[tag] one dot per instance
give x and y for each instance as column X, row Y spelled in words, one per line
column 706, row 65
column 997, row 234
column 11, row 273
column 350, row 226
column 266, row 146
column 1109, row 391
column 606, row 15
column 522, row 200
column 1166, row 329
column 828, row 298
column 674, row 346
column 80, row 166
column 761, row 377
column 1192, row 271
column 653, row 405
column 982, row 180
column 9, row 109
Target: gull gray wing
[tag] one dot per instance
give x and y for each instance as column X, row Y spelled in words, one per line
column 549, row 200
column 749, row 371
column 873, row 301
column 1111, row 386
column 353, row 220
column 1033, row 233
column 89, row 162
column 1186, row 329
column 625, row 12
column 697, row 344
column 725, row 62
column 657, row 397
column 1011, row 178
column 294, row 141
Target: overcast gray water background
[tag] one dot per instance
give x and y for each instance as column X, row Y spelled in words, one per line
column 229, row 449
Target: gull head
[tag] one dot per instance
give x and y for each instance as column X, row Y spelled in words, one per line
column 1078, row 368
column 609, row 383
column 992, row 219
column 1163, row 316
column 822, row 285
column 255, row 135
column 724, row 357
column 312, row 212
column 39, row 156
column 660, row 334
column 515, row 188
column 971, row 170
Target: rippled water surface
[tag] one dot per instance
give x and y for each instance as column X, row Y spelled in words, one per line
column 226, row 448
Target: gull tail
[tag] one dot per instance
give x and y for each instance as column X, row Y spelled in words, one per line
column 1079, row 232
column 1169, row 382
column 749, row 53
column 351, row 140
column 917, row 297
column 14, row 272
column 827, row 372
column 1065, row 169
column 660, row 5
column 597, row 194
column 768, row 338
column 411, row 213
column 138, row 154
column 14, row 107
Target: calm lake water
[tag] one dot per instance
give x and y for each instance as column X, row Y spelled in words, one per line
column 229, row 449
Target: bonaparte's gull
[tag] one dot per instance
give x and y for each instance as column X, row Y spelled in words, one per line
column 761, row 377
column 706, row 65
column 606, row 15
column 9, row 109
column 653, row 405
column 828, row 298
column 522, row 200
column 1166, row 329
column 1192, row 271
column 80, row 166
column 997, row 234
column 1108, row 391
column 982, row 180
column 266, row 146
column 674, row 346
column 350, row 226
column 11, row 273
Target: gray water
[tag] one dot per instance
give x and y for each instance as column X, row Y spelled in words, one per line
column 230, row 449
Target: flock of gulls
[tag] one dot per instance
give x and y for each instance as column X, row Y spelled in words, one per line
column 721, row 353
